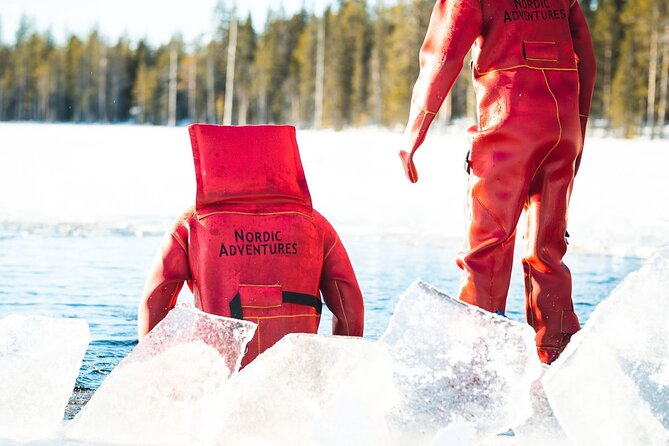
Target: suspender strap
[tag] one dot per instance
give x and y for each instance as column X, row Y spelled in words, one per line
column 287, row 297
column 303, row 299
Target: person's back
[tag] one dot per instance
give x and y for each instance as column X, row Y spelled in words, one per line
column 253, row 247
column 533, row 70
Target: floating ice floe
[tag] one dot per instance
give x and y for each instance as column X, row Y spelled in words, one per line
column 40, row 359
column 611, row 385
column 167, row 390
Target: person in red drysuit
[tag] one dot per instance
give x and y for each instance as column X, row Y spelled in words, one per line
column 533, row 71
column 253, row 247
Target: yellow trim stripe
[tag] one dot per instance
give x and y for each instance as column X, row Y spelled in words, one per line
column 201, row 216
column 341, row 303
column 331, row 249
column 179, row 241
column 523, row 66
column 557, row 112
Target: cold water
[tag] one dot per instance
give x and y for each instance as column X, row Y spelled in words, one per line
column 98, row 275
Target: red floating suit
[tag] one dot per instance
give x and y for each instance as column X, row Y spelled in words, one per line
column 533, row 71
column 253, row 247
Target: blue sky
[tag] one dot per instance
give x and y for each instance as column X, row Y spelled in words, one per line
column 157, row 20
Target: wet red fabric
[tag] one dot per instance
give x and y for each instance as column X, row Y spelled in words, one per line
column 533, row 70
column 253, row 242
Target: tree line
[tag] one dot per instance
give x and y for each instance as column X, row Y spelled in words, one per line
column 352, row 65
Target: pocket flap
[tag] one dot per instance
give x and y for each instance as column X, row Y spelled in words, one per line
column 540, row 51
column 261, row 296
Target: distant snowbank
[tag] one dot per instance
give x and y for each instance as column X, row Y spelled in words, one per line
column 137, row 179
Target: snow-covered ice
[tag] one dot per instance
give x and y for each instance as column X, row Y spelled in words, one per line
column 142, row 177
column 611, row 385
column 40, row 359
column 166, row 391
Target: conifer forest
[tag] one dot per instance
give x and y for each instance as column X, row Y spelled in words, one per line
column 353, row 64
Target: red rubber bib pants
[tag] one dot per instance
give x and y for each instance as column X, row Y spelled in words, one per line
column 253, row 248
column 533, row 72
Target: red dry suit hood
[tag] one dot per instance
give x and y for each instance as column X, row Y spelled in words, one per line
column 247, row 165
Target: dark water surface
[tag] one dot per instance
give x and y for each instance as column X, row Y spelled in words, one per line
column 99, row 276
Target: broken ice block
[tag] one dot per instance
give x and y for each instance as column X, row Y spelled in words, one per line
column 165, row 392
column 542, row 428
column 40, row 360
column 611, row 384
column 303, row 387
column 458, row 365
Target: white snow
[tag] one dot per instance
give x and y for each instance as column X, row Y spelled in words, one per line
column 40, row 359
column 136, row 176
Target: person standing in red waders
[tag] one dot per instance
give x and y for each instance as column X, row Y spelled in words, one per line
column 533, row 71
column 253, row 247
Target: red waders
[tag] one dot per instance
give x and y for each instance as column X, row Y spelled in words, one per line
column 533, row 71
column 253, row 247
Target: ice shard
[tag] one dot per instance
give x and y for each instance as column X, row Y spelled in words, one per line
column 542, row 428
column 458, row 367
column 40, row 359
column 611, row 384
column 310, row 390
column 165, row 392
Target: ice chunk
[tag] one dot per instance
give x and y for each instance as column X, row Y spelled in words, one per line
column 306, row 389
column 457, row 365
column 542, row 427
column 610, row 385
column 40, row 359
column 165, row 392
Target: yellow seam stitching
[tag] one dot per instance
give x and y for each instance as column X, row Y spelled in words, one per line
column 247, row 284
column 523, row 66
column 333, row 247
column 201, row 216
column 341, row 303
column 539, row 41
column 573, row 3
column 179, row 241
column 557, row 112
column 424, row 110
column 541, row 60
